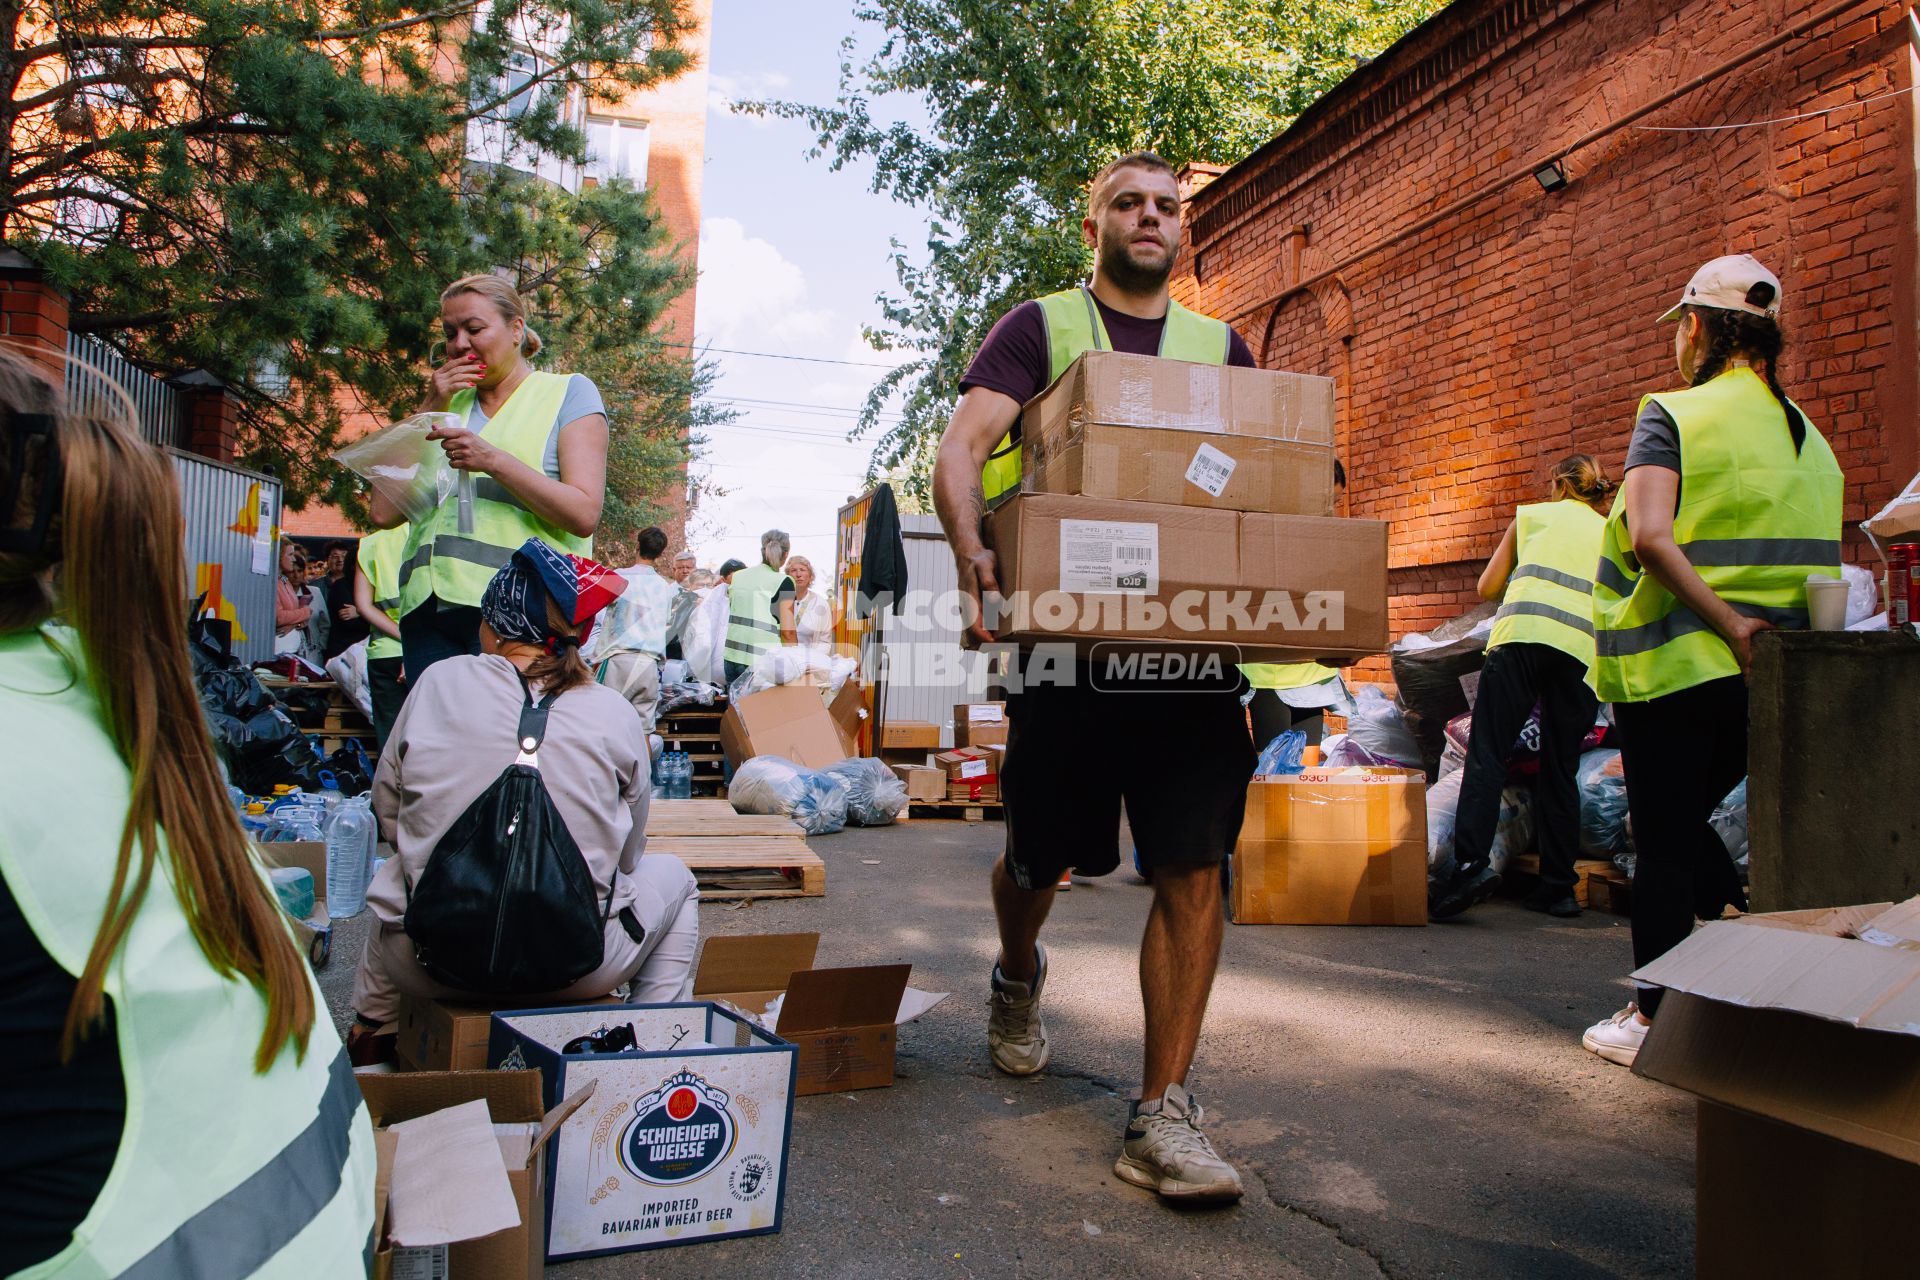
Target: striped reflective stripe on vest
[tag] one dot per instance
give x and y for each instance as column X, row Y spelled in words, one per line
column 1684, row 621
column 240, row 1232
column 1613, row 578
column 455, row 547
column 758, row 624
column 1533, row 608
column 487, row 489
column 1722, row 552
column 1545, row 574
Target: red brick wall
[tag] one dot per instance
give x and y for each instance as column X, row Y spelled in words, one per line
column 1472, row 355
column 33, row 318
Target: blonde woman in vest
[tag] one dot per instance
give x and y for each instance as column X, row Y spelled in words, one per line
column 1732, row 500
column 172, row 1102
column 1540, row 651
column 535, row 445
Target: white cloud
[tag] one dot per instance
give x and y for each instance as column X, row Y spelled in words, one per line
column 750, row 295
column 724, row 91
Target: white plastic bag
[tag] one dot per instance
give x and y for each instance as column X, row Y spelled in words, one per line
column 1729, row 822
column 1512, row 832
column 409, row 469
column 875, row 794
column 348, row 669
column 1898, row 521
column 770, row 784
column 1376, row 725
column 1863, row 593
column 704, row 641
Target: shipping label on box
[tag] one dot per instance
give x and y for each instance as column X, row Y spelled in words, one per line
column 980, row 724
column 1109, row 556
column 683, row 1140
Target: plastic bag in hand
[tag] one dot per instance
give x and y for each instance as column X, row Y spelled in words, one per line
column 409, row 469
column 875, row 794
column 1282, row 755
column 771, row 784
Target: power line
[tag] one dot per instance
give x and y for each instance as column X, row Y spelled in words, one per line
column 775, row 355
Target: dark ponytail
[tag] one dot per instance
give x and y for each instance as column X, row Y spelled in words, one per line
column 1732, row 333
column 561, row 667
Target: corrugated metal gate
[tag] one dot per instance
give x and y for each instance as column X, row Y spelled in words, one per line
column 233, row 527
column 917, row 658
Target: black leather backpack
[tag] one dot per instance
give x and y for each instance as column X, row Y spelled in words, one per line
column 506, row 902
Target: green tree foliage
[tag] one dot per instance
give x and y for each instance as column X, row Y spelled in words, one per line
column 1004, row 109
column 277, row 190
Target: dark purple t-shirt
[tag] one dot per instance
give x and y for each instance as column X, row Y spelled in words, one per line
column 1015, row 362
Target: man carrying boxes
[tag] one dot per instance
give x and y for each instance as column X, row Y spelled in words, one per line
column 1062, row 798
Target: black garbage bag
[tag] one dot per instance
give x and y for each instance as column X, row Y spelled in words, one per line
column 1428, row 681
column 258, row 740
column 506, row 904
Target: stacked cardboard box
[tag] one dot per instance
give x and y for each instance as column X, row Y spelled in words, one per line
column 980, row 724
column 924, row 782
column 1181, row 507
column 973, row 774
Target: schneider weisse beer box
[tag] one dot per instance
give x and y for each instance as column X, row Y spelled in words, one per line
column 684, row 1138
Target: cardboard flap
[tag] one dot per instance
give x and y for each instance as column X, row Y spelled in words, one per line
column 1838, row 979
column 558, row 1116
column 385, row 1144
column 448, row 1179
column 511, row 1096
column 753, row 962
column 1894, row 926
column 830, row 999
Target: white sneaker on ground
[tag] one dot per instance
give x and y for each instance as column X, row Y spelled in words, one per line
column 1166, row 1152
column 1016, row 1037
column 1617, row 1039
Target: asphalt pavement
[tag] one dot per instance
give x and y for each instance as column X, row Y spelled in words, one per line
column 1401, row 1102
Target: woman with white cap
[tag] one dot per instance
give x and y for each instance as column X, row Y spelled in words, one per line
column 1731, row 501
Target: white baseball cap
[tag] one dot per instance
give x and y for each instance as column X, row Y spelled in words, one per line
column 1731, row 283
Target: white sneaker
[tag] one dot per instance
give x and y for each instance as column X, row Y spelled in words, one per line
column 1016, row 1037
column 1618, row 1038
column 1166, row 1152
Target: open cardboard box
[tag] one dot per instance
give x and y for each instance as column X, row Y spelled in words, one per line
column 432, row 1200
column 1800, row 1034
column 794, row 722
column 315, row 933
column 446, row 1035
column 843, row 1021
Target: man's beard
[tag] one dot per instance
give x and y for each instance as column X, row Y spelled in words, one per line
column 1118, row 266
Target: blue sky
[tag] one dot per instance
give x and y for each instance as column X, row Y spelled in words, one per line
column 792, row 254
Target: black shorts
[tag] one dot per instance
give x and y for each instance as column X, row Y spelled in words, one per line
column 1179, row 761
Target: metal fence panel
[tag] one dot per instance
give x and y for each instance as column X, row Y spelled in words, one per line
column 915, row 654
column 96, row 369
column 233, row 526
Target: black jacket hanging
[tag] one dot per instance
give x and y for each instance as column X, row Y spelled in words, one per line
column 883, row 557
column 506, row 902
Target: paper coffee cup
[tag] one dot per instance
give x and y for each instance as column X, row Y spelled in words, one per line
column 1826, row 603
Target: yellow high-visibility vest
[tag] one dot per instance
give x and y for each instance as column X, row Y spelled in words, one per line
column 751, row 629
column 1074, row 327
column 1549, row 597
column 220, row 1171
column 1755, row 520
column 1285, row 675
column 441, row 561
column 381, row 553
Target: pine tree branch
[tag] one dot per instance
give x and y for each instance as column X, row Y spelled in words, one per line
column 60, row 92
column 194, row 129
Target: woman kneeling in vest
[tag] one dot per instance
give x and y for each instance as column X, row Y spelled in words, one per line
column 1731, row 501
column 1540, row 651
column 521, row 870
column 534, row 449
column 157, row 1022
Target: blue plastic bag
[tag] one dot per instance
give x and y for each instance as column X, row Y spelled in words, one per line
column 1282, row 755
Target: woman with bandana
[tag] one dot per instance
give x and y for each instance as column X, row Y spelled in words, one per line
column 455, row 736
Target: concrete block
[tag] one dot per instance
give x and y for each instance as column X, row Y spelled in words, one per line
column 1833, row 781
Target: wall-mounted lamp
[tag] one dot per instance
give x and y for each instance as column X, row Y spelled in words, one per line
column 1551, row 176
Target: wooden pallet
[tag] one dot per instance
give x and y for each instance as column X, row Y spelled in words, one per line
column 964, row 810
column 734, row 855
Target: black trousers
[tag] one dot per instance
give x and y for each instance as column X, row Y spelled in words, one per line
column 387, row 692
column 434, row 631
column 1515, row 677
column 1682, row 753
column 1272, row 717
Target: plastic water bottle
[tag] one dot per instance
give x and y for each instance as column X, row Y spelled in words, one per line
column 254, row 818
column 679, row 776
column 295, row 822
column 349, row 859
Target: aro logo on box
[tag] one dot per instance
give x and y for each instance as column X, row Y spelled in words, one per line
column 678, row 1132
column 1136, row 581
